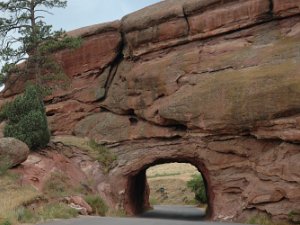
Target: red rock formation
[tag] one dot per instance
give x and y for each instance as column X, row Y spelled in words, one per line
column 214, row 83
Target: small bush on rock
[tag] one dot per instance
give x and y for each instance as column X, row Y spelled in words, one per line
column 102, row 155
column 5, row 222
column 98, row 205
column 45, row 212
column 27, row 119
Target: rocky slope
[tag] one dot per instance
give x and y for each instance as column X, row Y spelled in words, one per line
column 214, row 83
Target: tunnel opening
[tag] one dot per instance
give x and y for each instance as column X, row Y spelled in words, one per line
column 155, row 185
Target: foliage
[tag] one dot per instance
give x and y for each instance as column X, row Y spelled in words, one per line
column 294, row 216
column 5, row 164
column 27, row 119
column 117, row 213
column 13, row 194
column 102, row 155
column 196, row 184
column 24, row 35
column 57, row 211
column 163, row 175
column 49, row 211
column 6, row 222
column 24, row 215
column 98, row 205
column 57, row 185
column 264, row 220
column 153, row 201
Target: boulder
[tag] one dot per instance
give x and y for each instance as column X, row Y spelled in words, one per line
column 77, row 202
column 12, row 152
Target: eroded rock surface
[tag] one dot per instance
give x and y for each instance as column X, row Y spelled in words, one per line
column 214, row 83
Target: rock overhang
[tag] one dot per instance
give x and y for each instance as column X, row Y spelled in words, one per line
column 211, row 82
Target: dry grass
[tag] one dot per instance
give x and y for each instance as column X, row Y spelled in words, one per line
column 170, row 192
column 13, row 195
column 167, row 184
column 82, row 143
column 94, row 150
column 181, row 171
column 265, row 220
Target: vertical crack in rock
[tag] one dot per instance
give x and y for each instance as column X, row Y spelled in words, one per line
column 271, row 8
column 114, row 66
column 187, row 21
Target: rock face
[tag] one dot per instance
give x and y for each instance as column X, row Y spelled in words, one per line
column 214, row 83
column 12, row 152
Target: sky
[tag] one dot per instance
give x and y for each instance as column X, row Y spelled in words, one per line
column 80, row 13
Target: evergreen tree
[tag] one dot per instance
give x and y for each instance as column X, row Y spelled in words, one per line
column 26, row 119
column 25, row 36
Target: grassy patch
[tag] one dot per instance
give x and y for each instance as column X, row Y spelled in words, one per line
column 13, row 195
column 153, row 201
column 117, row 213
column 5, row 222
column 264, row 220
column 96, row 151
column 102, row 155
column 179, row 170
column 24, row 215
column 58, row 210
column 98, row 205
column 5, row 164
column 59, row 185
column 163, row 175
column 46, row 212
column 169, row 191
column 78, row 142
column 294, row 216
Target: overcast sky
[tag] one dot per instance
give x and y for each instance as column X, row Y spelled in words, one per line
column 80, row 13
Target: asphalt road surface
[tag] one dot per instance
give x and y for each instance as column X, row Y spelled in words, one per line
column 161, row 215
column 189, row 213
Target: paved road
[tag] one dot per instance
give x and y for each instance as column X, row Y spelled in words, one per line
column 161, row 215
column 189, row 213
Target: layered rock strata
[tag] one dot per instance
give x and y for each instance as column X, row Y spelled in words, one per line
column 214, row 83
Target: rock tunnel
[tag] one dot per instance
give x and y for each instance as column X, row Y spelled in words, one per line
column 137, row 194
column 236, row 171
column 212, row 83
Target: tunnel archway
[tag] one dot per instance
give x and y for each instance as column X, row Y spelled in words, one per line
column 137, row 194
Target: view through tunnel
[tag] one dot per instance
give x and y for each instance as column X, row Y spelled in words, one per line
column 170, row 190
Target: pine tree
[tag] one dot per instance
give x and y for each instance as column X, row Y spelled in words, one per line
column 26, row 119
column 25, row 36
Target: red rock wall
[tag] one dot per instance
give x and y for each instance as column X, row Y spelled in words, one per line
column 214, row 83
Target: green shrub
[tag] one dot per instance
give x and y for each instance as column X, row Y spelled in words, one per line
column 196, row 184
column 58, row 185
column 5, row 164
column 98, row 205
column 27, row 119
column 5, row 222
column 103, row 155
column 57, row 211
column 24, row 215
column 264, row 220
column 46, row 212
column 294, row 216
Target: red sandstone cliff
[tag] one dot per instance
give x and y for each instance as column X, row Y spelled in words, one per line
column 215, row 83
